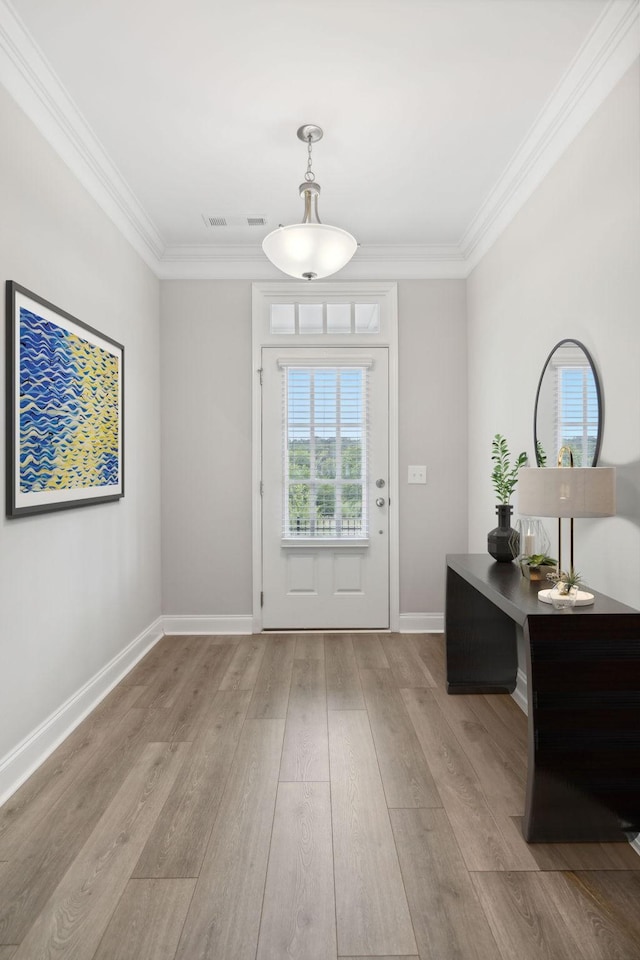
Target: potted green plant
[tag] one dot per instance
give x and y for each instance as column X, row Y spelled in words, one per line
column 565, row 592
column 504, row 476
column 568, row 579
column 537, row 566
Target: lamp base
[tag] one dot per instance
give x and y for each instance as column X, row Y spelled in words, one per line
column 583, row 599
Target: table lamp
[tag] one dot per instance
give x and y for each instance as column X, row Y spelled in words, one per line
column 567, row 492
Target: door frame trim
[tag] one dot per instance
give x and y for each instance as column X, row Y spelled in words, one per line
column 261, row 293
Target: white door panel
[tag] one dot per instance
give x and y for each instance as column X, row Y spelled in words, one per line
column 325, row 538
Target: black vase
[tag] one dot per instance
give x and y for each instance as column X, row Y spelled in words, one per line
column 504, row 540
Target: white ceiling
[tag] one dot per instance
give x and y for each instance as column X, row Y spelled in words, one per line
column 433, row 110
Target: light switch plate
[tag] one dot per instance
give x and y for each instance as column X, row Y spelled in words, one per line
column 417, row 475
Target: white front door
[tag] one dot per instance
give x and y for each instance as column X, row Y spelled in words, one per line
column 325, row 493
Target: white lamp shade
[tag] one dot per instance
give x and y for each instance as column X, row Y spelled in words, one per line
column 567, row 492
column 304, row 248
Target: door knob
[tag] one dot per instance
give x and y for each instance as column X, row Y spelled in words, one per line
column 379, row 501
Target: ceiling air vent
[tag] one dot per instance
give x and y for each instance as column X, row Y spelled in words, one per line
column 233, row 221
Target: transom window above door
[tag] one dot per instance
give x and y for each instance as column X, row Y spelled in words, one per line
column 331, row 319
column 325, row 314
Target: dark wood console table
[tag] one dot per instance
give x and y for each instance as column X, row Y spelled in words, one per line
column 583, row 688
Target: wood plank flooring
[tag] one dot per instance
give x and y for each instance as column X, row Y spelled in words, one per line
column 299, row 797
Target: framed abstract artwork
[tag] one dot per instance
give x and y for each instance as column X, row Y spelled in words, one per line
column 65, row 409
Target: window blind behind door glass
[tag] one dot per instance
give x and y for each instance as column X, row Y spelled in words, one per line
column 325, row 446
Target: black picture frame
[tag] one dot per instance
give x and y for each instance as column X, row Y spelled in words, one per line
column 64, row 409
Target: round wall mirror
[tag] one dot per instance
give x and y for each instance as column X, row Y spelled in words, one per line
column 568, row 411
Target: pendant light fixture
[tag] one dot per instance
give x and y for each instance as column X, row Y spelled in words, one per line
column 309, row 250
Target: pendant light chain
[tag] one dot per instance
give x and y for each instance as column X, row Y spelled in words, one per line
column 309, row 175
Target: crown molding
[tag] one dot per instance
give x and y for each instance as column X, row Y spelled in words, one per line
column 606, row 55
column 30, row 80
column 229, row 262
column 608, row 52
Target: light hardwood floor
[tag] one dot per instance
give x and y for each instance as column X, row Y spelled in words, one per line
column 299, row 798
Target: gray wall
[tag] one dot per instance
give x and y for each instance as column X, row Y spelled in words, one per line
column 206, row 443
column 206, row 447
column 433, row 431
column 568, row 266
column 76, row 586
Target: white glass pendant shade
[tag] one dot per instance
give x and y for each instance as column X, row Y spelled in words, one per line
column 309, row 251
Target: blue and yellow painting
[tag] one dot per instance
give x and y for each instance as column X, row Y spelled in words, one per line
column 69, row 409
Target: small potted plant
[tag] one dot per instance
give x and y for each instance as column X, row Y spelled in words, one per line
column 537, row 566
column 565, row 592
column 504, row 477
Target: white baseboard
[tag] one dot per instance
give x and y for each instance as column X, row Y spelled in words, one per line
column 24, row 759
column 636, row 844
column 520, row 692
column 194, row 625
column 421, row 623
